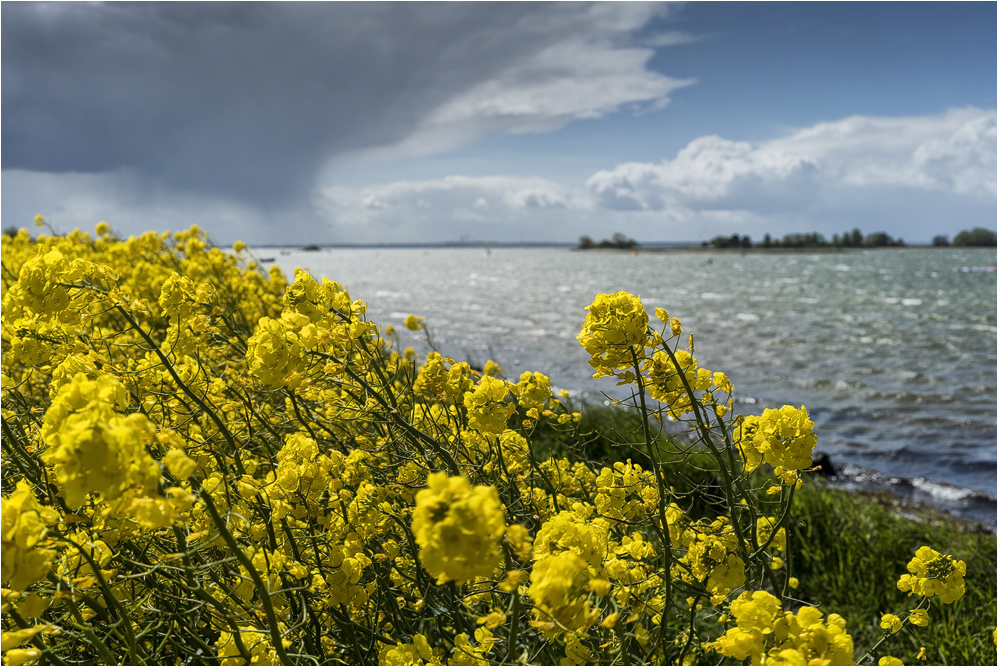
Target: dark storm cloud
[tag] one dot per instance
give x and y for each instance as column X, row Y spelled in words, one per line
column 249, row 100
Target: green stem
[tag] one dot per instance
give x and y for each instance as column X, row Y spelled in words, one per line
column 514, row 623
column 705, row 436
column 223, row 429
column 195, row 587
column 660, row 477
column 19, row 455
column 268, row 607
column 393, row 415
column 689, row 638
column 123, row 618
column 91, row 636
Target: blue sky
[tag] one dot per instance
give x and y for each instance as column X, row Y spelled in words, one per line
column 510, row 122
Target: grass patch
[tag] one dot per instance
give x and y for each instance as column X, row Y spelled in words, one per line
column 852, row 548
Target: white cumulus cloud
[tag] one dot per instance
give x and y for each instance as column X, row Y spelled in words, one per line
column 953, row 152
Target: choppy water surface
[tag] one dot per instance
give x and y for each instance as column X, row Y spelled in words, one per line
column 892, row 351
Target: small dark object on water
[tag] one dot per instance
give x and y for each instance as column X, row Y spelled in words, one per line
column 266, row 260
column 823, row 466
column 311, row 248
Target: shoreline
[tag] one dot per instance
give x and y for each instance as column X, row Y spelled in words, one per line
column 651, row 248
column 908, row 508
column 763, row 250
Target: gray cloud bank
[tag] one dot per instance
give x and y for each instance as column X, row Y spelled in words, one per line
column 248, row 101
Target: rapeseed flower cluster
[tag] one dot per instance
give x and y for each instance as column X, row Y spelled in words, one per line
column 669, row 375
column 205, row 463
column 559, row 586
column 457, row 528
column 767, row 635
column 488, row 409
column 93, row 448
column 625, row 492
column 615, row 333
column 932, row 573
column 712, row 559
column 782, row 438
column 25, row 558
column 533, row 391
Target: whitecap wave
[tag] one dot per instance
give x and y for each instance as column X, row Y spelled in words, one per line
column 942, row 491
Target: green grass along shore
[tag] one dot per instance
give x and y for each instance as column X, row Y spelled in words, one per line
column 849, row 548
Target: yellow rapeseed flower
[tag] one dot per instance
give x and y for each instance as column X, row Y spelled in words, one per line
column 533, row 390
column 932, row 573
column 764, row 529
column 276, row 354
column 782, row 438
column 768, row 635
column 488, row 409
column 92, row 447
column 667, row 380
column 568, row 531
column 256, row 643
column 891, row 622
column 457, row 528
column 558, row 588
column 21, row 656
column 25, row 524
column 615, row 332
column 520, row 542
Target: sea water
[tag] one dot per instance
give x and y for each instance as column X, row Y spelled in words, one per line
column 892, row 351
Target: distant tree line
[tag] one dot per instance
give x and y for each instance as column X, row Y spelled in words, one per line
column 974, row 238
column 853, row 239
column 618, row 241
column 978, row 237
